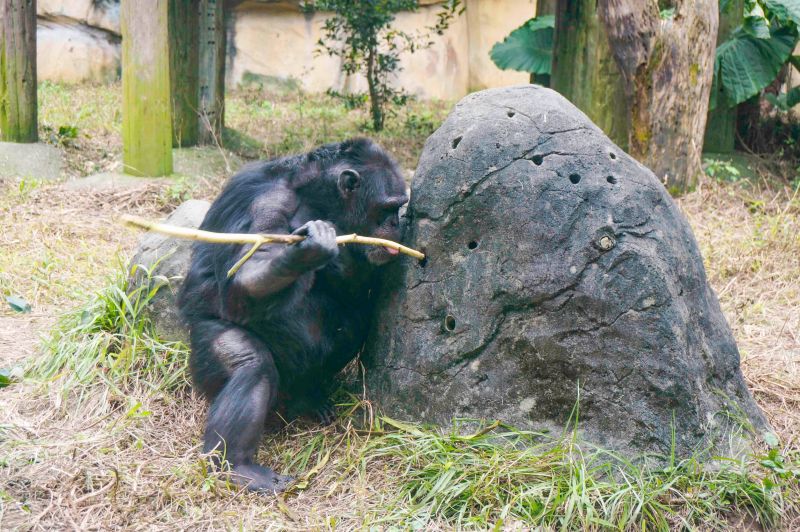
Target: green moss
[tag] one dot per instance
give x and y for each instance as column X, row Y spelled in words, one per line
column 694, row 70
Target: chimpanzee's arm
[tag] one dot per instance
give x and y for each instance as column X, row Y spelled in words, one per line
column 275, row 266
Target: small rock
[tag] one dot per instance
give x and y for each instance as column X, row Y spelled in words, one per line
column 167, row 259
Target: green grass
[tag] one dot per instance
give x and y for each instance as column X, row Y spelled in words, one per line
column 262, row 121
column 110, row 341
column 501, row 476
column 276, row 123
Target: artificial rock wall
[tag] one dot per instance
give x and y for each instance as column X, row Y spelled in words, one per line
column 79, row 41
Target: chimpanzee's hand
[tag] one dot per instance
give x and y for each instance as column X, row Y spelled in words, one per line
column 317, row 249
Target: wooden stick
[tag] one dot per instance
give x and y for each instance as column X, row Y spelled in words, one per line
column 256, row 239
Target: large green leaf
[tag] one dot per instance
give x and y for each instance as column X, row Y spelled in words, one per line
column 528, row 48
column 784, row 10
column 756, row 25
column 744, row 65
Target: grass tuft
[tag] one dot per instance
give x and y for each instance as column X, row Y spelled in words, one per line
column 503, row 477
column 110, row 341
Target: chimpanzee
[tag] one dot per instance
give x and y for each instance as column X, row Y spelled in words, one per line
column 292, row 316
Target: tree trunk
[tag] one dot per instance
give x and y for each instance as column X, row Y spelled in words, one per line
column 376, row 105
column 545, row 7
column 212, row 72
column 146, row 99
column 584, row 70
column 720, row 133
column 18, row 106
column 184, row 46
column 667, row 67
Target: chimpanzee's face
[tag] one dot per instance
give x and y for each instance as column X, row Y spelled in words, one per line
column 374, row 193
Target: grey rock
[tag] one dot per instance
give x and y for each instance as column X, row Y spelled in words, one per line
column 30, row 161
column 167, row 261
column 560, row 273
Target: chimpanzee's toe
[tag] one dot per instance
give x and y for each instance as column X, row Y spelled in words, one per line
column 326, row 413
column 260, row 479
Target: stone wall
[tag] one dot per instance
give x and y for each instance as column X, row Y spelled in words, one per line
column 79, row 41
column 278, row 41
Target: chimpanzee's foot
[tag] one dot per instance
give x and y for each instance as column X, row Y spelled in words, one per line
column 259, row 479
column 319, row 409
column 325, row 412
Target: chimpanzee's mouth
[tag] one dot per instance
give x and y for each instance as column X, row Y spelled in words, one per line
column 391, row 251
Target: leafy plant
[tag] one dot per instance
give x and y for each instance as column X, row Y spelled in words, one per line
column 752, row 58
column 528, row 48
column 785, row 101
column 722, row 170
column 178, row 191
column 61, row 136
column 360, row 32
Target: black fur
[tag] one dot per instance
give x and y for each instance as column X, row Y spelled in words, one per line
column 292, row 316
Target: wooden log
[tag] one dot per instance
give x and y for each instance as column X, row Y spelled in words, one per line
column 184, row 56
column 18, row 105
column 146, row 104
column 211, row 72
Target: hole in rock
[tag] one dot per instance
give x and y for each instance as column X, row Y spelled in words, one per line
column 497, row 145
column 450, row 323
column 537, row 159
column 612, row 155
column 574, row 179
column 472, row 245
column 456, row 141
column 611, row 179
column 424, row 262
column 511, row 114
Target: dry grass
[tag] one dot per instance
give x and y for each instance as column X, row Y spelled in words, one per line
column 99, row 458
column 750, row 240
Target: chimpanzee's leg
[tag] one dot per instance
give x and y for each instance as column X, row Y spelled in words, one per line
column 235, row 369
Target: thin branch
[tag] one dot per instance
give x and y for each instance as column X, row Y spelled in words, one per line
column 257, row 240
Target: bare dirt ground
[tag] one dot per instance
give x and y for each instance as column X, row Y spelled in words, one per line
column 100, row 460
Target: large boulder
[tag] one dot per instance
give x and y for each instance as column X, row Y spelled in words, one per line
column 561, row 280
column 163, row 261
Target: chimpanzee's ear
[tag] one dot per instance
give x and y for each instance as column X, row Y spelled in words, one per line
column 349, row 181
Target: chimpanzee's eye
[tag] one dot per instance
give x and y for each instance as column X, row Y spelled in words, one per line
column 391, row 215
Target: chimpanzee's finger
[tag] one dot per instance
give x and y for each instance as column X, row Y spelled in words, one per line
column 302, row 230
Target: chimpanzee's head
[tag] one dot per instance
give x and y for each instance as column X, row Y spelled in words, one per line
column 370, row 190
